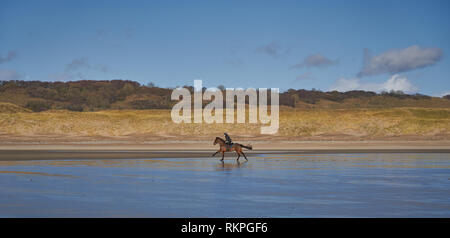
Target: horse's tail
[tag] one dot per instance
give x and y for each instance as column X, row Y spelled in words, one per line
column 247, row 147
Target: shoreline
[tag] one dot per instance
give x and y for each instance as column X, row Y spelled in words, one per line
column 263, row 145
column 175, row 149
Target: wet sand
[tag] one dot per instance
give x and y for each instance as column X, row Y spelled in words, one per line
column 176, row 149
column 268, row 185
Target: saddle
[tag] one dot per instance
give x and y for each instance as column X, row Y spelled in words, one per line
column 229, row 146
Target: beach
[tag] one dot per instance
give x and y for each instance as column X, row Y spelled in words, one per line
column 111, row 178
column 189, row 149
column 288, row 184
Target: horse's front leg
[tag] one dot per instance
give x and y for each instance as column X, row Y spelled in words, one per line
column 223, row 154
column 215, row 153
column 239, row 156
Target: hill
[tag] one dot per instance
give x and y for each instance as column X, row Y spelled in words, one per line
column 6, row 107
column 122, row 94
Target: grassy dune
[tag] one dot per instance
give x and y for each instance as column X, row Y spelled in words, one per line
column 367, row 122
column 336, row 124
column 6, row 107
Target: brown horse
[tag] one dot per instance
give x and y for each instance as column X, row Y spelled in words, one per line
column 227, row 148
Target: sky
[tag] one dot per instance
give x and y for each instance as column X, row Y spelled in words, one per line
column 325, row 45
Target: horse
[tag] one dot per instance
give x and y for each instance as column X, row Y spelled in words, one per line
column 227, row 148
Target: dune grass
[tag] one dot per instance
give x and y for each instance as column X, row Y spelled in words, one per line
column 357, row 123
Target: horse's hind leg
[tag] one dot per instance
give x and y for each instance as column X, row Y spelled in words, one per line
column 244, row 156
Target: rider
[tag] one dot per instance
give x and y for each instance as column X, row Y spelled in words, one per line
column 228, row 140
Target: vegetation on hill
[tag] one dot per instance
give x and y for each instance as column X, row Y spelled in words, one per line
column 121, row 94
column 118, row 108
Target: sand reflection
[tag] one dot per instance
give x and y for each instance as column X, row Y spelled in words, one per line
column 223, row 166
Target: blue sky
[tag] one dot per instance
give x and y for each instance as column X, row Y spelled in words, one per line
column 342, row 45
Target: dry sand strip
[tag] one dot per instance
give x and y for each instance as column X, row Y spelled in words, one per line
column 205, row 150
column 268, row 145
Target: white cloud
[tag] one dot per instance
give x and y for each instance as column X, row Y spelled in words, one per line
column 9, row 56
column 442, row 94
column 305, row 76
column 76, row 69
column 7, row 75
column 400, row 60
column 83, row 64
column 396, row 83
column 273, row 49
column 316, row 60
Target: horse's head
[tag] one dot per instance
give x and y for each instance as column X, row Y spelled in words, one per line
column 215, row 141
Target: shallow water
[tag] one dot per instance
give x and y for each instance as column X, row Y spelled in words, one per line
column 281, row 185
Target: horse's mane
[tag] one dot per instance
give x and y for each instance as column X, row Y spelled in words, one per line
column 220, row 139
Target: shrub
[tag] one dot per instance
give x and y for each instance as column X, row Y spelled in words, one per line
column 38, row 105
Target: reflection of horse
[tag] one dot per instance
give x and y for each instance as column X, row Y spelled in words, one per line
column 228, row 148
column 228, row 166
